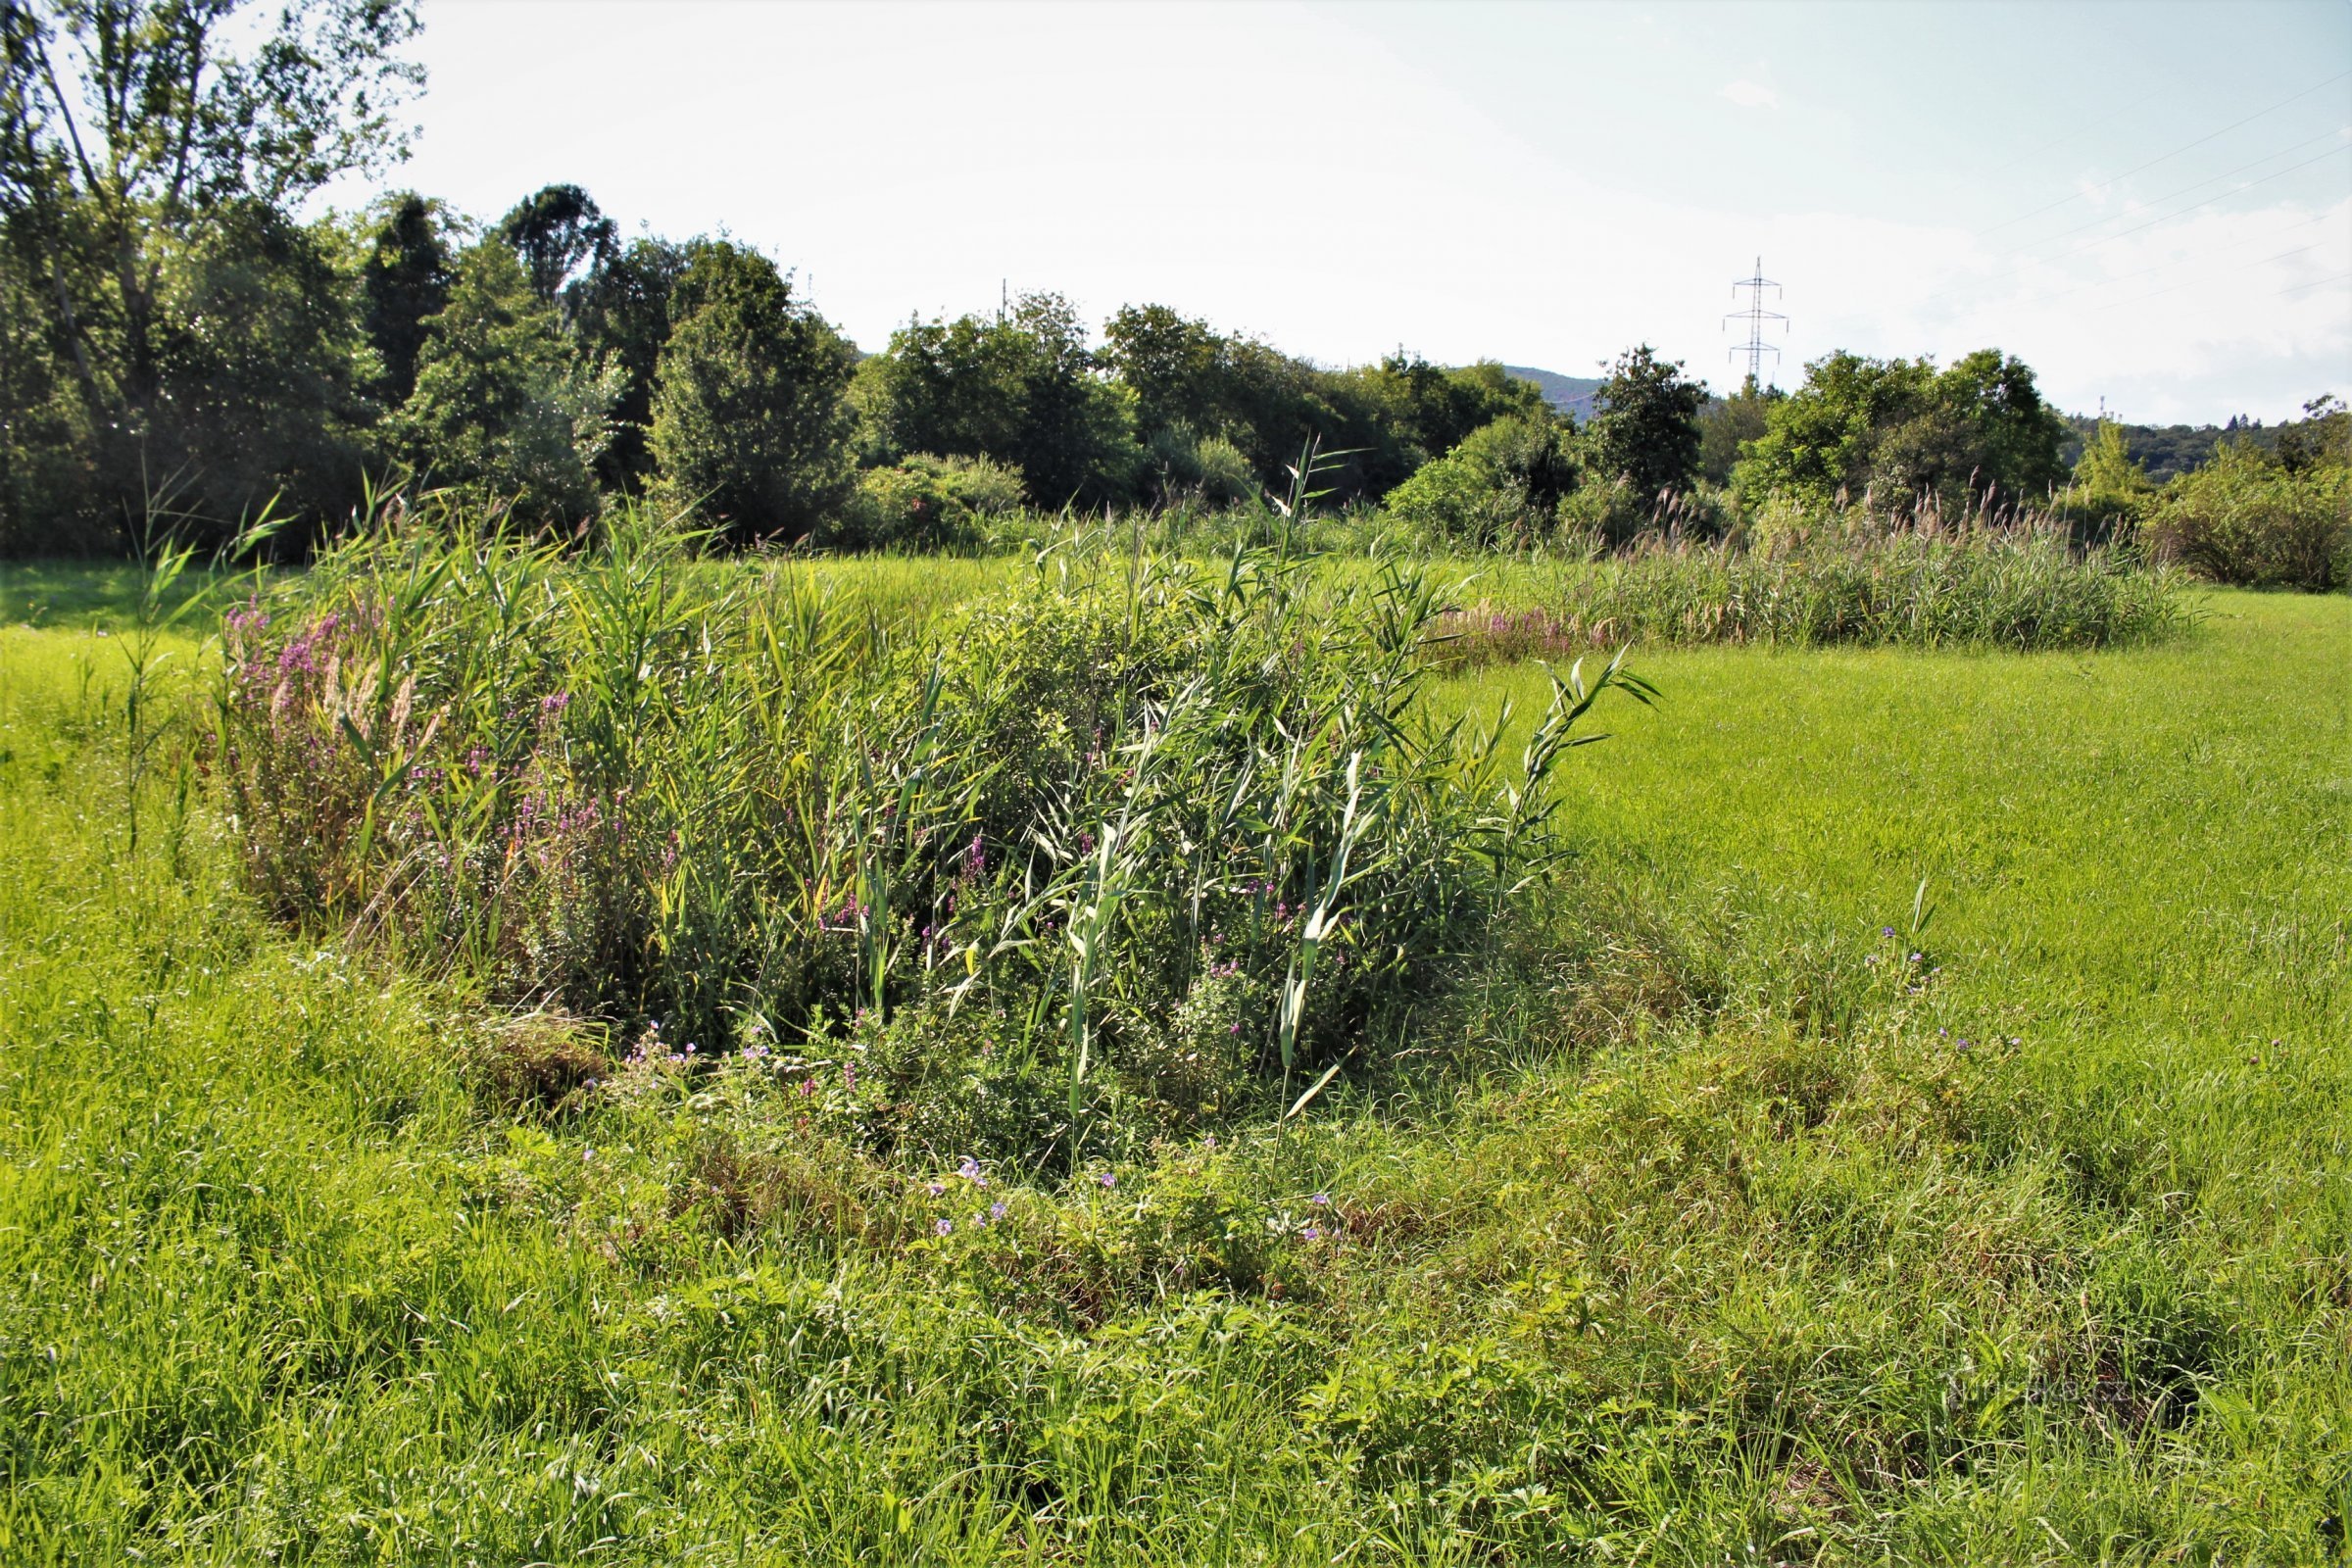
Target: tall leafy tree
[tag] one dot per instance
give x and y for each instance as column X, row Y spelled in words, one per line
column 405, row 276
column 1647, row 432
column 750, row 420
column 126, row 126
column 561, row 234
column 1728, row 424
column 1023, row 388
column 621, row 322
column 260, row 394
column 502, row 407
column 1077, row 441
column 1906, row 434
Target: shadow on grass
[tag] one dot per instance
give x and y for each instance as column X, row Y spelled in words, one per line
column 84, row 595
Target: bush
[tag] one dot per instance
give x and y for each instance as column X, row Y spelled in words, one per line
column 2248, row 520
column 924, row 501
column 1501, row 486
column 1210, row 472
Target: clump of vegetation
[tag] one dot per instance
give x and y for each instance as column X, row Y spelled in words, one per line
column 1502, row 487
column 1856, row 582
column 2266, row 519
column 1902, row 435
column 1125, row 795
column 923, row 501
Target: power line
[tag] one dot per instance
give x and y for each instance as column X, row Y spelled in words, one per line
column 2340, row 277
column 2176, row 260
column 2167, row 157
column 2208, row 277
column 2092, row 123
column 2166, row 217
column 1755, row 315
column 2200, row 184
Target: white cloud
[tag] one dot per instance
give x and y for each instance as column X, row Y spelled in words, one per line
column 1749, row 94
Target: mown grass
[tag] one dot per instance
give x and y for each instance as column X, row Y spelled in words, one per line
column 1695, row 1235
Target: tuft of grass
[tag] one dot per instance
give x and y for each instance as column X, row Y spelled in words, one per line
column 746, row 808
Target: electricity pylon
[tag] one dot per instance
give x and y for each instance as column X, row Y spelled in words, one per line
column 1755, row 315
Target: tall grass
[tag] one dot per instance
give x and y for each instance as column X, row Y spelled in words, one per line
column 2021, row 588
column 1183, row 820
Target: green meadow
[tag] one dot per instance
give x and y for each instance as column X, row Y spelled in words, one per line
column 1912, row 1122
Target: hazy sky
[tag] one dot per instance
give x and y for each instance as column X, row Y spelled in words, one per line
column 2150, row 202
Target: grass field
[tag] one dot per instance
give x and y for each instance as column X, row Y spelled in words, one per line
column 1710, row 1227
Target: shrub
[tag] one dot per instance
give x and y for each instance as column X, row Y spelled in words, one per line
column 924, row 501
column 1501, row 486
column 2249, row 521
column 1211, row 471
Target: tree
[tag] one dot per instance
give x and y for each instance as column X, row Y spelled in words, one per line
column 560, row 232
column 1023, row 388
column 1647, row 432
column 748, row 416
column 1077, row 441
column 1728, row 425
column 501, row 406
column 260, row 394
column 1907, row 436
column 404, row 281
column 621, row 322
column 1501, row 485
column 127, row 126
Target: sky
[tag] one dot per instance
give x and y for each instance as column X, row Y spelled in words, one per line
column 2150, row 203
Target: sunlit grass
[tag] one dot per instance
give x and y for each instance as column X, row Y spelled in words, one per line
column 1695, row 1234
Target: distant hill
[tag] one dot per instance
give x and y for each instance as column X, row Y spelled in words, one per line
column 1570, row 394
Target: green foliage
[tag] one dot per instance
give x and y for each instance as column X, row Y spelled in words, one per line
column 501, row 410
column 1190, row 470
column 2110, row 489
column 560, row 234
column 749, row 423
column 744, row 801
column 1973, row 437
column 140, row 140
column 2251, row 520
column 620, row 315
column 1023, row 389
column 260, row 395
column 404, row 278
column 48, row 504
column 924, row 501
column 1501, row 488
column 1728, row 424
column 1647, row 433
column 1382, row 422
